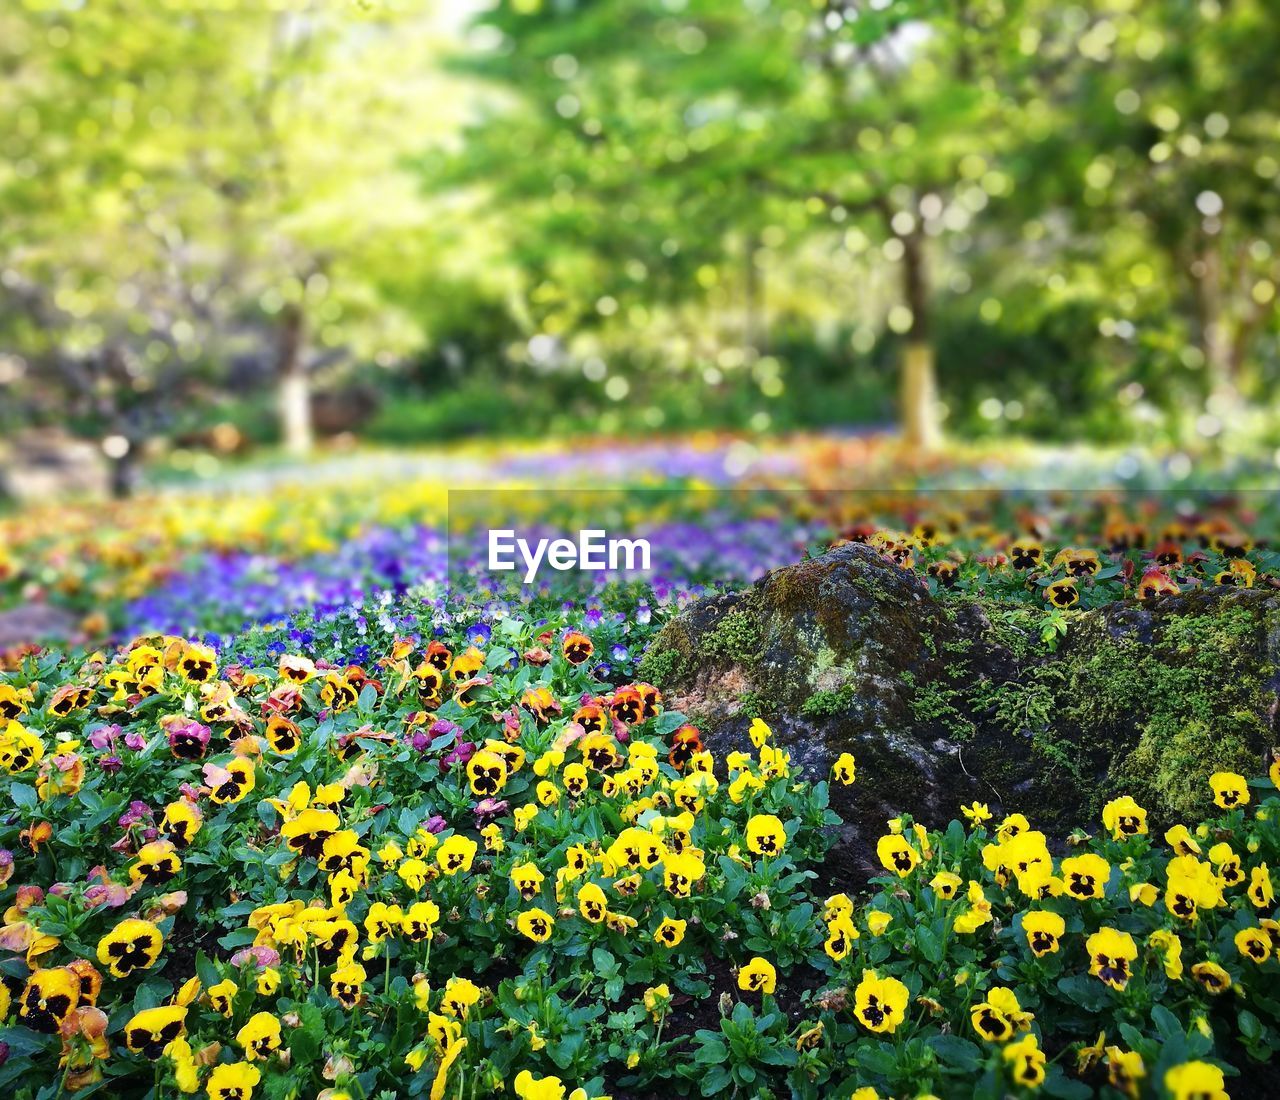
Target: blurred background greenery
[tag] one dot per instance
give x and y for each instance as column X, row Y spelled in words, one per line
column 234, row 225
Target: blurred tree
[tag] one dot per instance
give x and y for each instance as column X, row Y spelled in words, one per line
column 1167, row 158
column 1113, row 159
column 877, row 126
column 188, row 185
column 774, row 193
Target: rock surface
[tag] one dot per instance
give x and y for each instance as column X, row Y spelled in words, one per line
column 943, row 699
column 35, row 622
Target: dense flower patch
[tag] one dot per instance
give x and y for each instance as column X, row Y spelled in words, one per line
column 485, row 860
column 327, row 827
column 1077, row 558
column 1055, row 559
column 352, row 523
column 330, row 836
column 216, row 561
column 222, row 595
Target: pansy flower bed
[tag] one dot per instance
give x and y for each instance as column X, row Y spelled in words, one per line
column 485, row 862
column 221, row 596
column 216, row 561
column 327, row 825
column 1083, row 552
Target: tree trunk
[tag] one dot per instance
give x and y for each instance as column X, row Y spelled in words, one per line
column 125, row 436
column 921, row 425
column 124, row 474
column 295, row 386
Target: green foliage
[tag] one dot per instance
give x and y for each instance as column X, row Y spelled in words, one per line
column 661, row 665
column 745, row 1048
column 526, row 405
column 736, row 639
column 1166, row 713
column 627, row 215
column 169, row 242
column 1196, row 698
column 471, row 409
column 828, row 704
column 1040, row 172
column 937, row 702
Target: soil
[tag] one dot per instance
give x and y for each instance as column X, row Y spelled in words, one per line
column 185, row 942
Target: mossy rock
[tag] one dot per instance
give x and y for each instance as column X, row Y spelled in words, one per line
column 946, row 699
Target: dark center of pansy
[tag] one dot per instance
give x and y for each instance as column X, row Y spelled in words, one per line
column 188, row 747
column 45, row 1014
column 129, row 956
column 1113, row 971
column 992, row 1024
column 159, row 872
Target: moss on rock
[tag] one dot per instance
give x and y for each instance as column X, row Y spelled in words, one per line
column 941, row 698
column 736, row 638
column 1171, row 695
column 661, row 664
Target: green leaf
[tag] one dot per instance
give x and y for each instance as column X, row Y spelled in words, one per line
column 955, row 1052
column 1167, row 1024
column 713, row 1052
column 879, row 1059
column 1058, row 1084
column 242, row 937
column 929, row 945
column 716, row 1079
column 206, row 971
column 668, row 722
column 1088, row 992
column 22, row 1041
